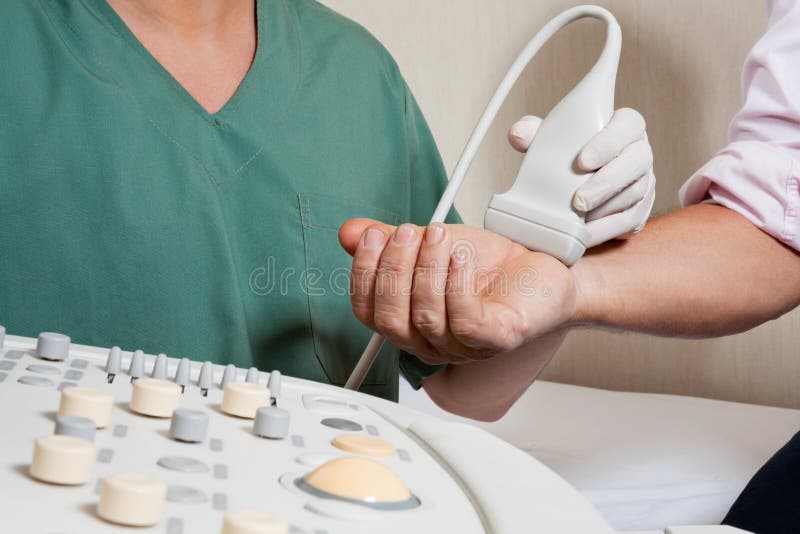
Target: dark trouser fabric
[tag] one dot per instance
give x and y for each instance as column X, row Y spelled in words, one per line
column 770, row 504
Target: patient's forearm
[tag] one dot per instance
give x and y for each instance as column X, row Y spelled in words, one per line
column 698, row 272
column 486, row 390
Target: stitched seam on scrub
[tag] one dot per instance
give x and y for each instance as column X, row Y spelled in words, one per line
column 141, row 108
column 289, row 105
column 308, row 297
column 391, row 217
column 136, row 101
column 162, row 72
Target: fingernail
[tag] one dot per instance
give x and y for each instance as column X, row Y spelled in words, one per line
column 579, row 203
column 373, row 238
column 434, row 235
column 404, row 235
column 517, row 133
column 589, row 158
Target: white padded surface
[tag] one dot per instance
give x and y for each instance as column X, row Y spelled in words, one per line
column 645, row 460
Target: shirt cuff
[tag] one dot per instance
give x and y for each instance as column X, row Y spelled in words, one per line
column 415, row 370
column 759, row 181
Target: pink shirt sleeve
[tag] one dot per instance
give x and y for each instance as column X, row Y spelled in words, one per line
column 758, row 173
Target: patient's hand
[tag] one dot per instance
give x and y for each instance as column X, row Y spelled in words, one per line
column 453, row 293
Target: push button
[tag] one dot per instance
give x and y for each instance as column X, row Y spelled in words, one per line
column 156, row 398
column 94, row 404
column 253, row 522
column 132, row 499
column 62, row 460
column 242, row 399
column 360, row 444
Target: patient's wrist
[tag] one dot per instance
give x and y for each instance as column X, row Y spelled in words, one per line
column 589, row 286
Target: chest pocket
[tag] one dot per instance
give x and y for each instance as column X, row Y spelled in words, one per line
column 339, row 338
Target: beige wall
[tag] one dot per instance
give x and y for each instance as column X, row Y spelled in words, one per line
column 681, row 64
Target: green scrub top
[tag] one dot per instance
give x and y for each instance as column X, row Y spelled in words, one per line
column 131, row 216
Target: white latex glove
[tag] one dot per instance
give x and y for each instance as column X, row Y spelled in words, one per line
column 618, row 197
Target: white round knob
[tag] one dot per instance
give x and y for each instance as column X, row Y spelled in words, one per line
column 94, row 404
column 156, row 398
column 51, row 346
column 242, row 399
column 62, row 459
column 132, row 499
column 253, row 522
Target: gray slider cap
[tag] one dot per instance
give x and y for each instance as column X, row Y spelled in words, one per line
column 228, row 376
column 114, row 361
column 2, row 335
column 183, row 373
column 136, row 370
column 206, row 378
column 189, row 425
column 52, row 346
column 160, row 367
column 271, row 422
column 252, row 376
column 274, row 384
column 74, row 425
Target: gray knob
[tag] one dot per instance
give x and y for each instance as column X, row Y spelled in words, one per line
column 252, row 376
column 274, row 384
column 271, row 422
column 76, row 426
column 228, row 376
column 160, row 367
column 2, row 335
column 206, row 378
column 136, row 369
column 183, row 374
column 52, row 346
column 113, row 363
column 189, row 425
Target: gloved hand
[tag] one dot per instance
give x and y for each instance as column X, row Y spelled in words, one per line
column 618, row 197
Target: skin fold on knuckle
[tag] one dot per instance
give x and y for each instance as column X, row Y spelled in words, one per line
column 471, row 332
column 392, row 266
column 427, row 321
column 390, row 320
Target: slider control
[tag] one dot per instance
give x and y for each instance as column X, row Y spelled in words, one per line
column 183, row 373
column 113, row 364
column 160, row 367
column 228, row 376
column 274, row 385
column 252, row 376
column 206, row 378
column 136, row 369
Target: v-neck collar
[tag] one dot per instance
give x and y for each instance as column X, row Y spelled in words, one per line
column 225, row 143
column 111, row 17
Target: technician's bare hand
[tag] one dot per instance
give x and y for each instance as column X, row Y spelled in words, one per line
column 453, row 293
column 618, row 197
